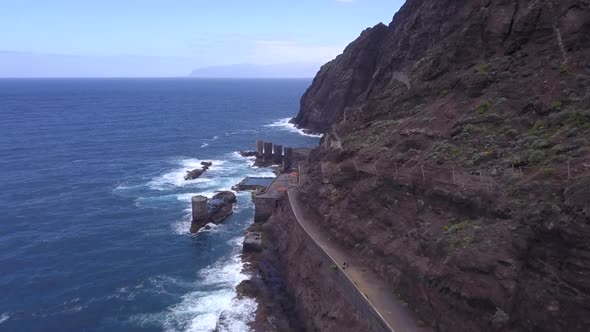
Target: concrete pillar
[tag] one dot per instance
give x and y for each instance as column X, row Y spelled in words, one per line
column 278, row 154
column 200, row 209
column 267, row 151
column 259, row 148
column 288, row 158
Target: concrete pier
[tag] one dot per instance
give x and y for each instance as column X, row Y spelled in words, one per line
column 259, row 148
column 267, row 152
column 200, row 208
column 288, row 158
column 278, row 154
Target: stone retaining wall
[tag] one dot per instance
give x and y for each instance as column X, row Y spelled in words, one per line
column 371, row 320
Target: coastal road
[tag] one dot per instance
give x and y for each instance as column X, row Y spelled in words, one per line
column 379, row 295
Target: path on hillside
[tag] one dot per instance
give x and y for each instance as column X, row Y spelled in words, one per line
column 378, row 293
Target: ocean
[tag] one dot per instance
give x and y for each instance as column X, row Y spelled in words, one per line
column 94, row 210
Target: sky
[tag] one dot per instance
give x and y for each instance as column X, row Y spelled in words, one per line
column 49, row 38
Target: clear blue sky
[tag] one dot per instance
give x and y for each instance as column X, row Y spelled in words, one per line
column 185, row 33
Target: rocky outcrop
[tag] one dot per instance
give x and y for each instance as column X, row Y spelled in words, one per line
column 248, row 153
column 454, row 160
column 196, row 173
column 252, row 242
column 219, row 207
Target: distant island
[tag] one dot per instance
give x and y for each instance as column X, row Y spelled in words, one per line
column 287, row 70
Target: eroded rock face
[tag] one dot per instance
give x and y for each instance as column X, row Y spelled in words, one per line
column 429, row 39
column 252, row 242
column 340, row 82
column 454, row 94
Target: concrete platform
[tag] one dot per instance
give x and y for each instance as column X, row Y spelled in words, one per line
column 267, row 201
column 254, row 184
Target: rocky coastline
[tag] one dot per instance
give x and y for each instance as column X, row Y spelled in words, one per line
column 455, row 162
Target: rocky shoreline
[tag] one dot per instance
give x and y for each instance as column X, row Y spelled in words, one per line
column 454, row 161
column 276, row 310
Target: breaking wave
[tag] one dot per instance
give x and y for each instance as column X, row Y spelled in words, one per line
column 286, row 125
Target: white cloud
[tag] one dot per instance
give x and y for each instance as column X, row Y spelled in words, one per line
column 204, row 52
column 284, row 51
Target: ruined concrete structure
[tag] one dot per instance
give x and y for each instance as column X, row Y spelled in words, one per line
column 199, row 208
column 259, row 148
column 288, row 158
column 268, row 154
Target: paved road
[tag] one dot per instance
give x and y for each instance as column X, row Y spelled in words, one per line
column 378, row 293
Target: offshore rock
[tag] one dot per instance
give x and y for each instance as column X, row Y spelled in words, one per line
column 220, row 206
column 194, row 174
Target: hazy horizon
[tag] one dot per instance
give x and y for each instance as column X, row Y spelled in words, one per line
column 67, row 38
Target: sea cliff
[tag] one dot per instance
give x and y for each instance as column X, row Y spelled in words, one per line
column 456, row 161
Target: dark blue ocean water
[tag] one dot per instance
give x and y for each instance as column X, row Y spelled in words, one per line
column 94, row 212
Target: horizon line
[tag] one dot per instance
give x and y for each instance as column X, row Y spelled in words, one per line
column 153, row 77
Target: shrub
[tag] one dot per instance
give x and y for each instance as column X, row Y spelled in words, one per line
column 482, row 108
column 445, row 150
column 513, row 160
column 483, row 68
column 512, row 133
column 564, row 69
column 540, row 144
column 558, row 148
column 536, row 156
column 538, row 128
column 471, row 129
column 467, row 240
column 581, row 119
column 455, row 226
column 549, row 171
column 555, row 105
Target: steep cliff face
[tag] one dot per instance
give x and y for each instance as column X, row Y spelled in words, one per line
column 316, row 294
column 457, row 160
column 340, row 82
column 429, row 40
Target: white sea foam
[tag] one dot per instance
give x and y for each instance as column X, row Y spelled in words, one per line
column 204, row 145
column 187, row 197
column 237, row 317
column 262, row 173
column 4, row 317
column 226, row 272
column 210, row 300
column 284, row 124
column 201, row 311
column 183, row 226
column 175, row 177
